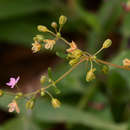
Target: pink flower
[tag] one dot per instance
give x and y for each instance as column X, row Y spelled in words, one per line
column 13, row 82
column 13, row 106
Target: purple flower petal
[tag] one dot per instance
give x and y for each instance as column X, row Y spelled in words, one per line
column 17, row 79
column 9, row 84
column 13, row 82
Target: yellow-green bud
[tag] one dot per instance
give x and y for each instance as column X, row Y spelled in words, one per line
column 16, row 97
column 30, row 104
column 62, row 19
column 107, row 43
column 38, row 38
column 42, row 92
column 55, row 103
column 54, row 24
column 42, row 28
column 73, row 61
column 90, row 75
column 1, row 92
column 69, row 55
column 20, row 94
column 105, row 69
column 43, row 79
column 58, row 35
column 77, row 53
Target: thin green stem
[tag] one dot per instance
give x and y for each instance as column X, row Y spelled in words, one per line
column 91, row 64
column 98, row 51
column 65, row 41
column 60, row 28
column 49, row 94
column 59, row 79
column 114, row 65
column 52, row 33
column 66, row 73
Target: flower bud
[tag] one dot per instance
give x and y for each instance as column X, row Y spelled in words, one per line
column 54, row 24
column 77, row 53
column 30, row 104
column 1, row 92
column 105, row 69
column 69, row 56
column 107, row 43
column 38, row 38
column 73, row 61
column 42, row 92
column 126, row 62
column 36, row 47
column 43, row 79
column 62, row 19
column 20, row 94
column 42, row 28
column 16, row 97
column 73, row 47
column 58, row 35
column 90, row 75
column 55, row 103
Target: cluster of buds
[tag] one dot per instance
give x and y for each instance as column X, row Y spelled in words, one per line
column 74, row 54
column 55, row 102
column 90, row 74
column 36, row 46
column 49, row 43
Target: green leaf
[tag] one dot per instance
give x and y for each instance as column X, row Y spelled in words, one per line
column 88, row 17
column 23, row 123
column 125, row 28
column 45, row 112
column 72, row 82
column 24, row 7
column 50, row 72
column 61, row 54
column 109, row 14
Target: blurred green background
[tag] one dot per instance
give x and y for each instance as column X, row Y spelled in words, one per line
column 103, row 104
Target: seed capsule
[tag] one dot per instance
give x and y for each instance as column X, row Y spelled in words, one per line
column 54, row 24
column 55, row 103
column 62, row 19
column 107, row 43
column 30, row 104
column 90, row 75
column 42, row 28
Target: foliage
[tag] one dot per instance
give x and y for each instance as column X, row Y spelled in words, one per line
column 102, row 104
